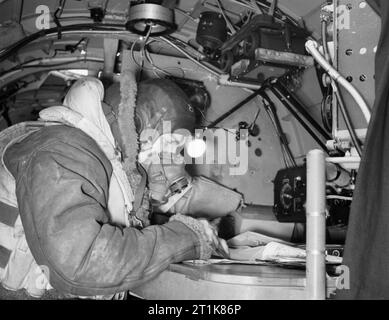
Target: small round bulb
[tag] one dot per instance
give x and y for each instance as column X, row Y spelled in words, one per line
column 196, row 148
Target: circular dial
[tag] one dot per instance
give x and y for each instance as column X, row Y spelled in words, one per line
column 286, row 196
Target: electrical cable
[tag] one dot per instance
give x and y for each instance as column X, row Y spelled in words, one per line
column 213, row 72
column 133, row 57
column 296, row 115
column 7, row 52
column 270, row 109
column 255, row 119
column 319, row 76
column 291, row 99
column 142, row 48
column 164, row 70
column 146, row 55
column 287, row 155
column 326, row 91
column 20, row 17
column 284, row 154
column 74, row 60
column 311, row 46
column 324, row 40
column 335, row 89
column 323, row 112
column 70, row 48
column 278, row 13
column 225, row 129
column 95, row 28
column 57, row 15
column 346, row 117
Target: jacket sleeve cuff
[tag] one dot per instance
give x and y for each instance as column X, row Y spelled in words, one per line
column 205, row 245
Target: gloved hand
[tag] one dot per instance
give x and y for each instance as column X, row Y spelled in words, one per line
column 210, row 243
column 220, row 245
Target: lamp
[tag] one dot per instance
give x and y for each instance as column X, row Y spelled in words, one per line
column 150, row 19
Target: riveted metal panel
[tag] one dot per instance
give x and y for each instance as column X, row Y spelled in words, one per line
column 357, row 38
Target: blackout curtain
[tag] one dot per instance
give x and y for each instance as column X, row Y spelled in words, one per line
column 367, row 243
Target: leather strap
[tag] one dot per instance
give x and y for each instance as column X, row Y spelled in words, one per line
column 140, row 190
column 5, row 254
column 8, row 214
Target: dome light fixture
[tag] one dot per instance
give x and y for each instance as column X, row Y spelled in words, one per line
column 150, row 19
